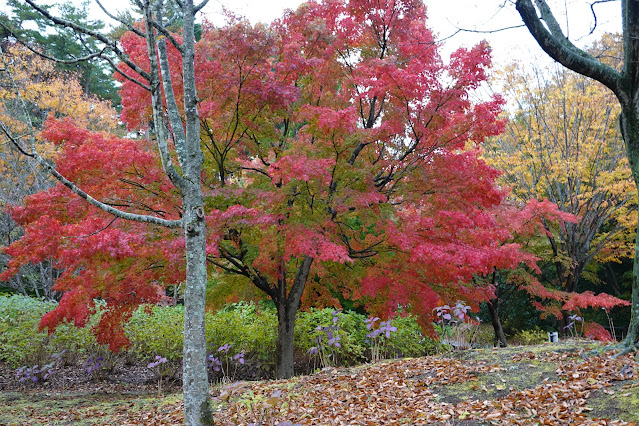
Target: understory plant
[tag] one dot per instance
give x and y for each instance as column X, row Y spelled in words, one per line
column 379, row 337
column 327, row 342
column 161, row 370
column 573, row 329
column 455, row 326
column 39, row 373
column 92, row 365
column 225, row 363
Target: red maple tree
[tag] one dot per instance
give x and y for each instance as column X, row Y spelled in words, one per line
column 340, row 153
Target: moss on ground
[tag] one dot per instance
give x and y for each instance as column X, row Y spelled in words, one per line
column 81, row 409
column 617, row 402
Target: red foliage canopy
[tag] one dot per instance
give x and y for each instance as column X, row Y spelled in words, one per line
column 337, row 133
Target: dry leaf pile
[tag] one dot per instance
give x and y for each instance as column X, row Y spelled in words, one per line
column 405, row 392
column 402, row 392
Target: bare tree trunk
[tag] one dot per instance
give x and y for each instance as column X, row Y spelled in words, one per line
column 287, row 307
column 500, row 337
column 629, row 122
column 284, row 368
column 195, row 384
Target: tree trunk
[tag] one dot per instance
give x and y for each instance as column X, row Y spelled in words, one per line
column 287, row 306
column 197, row 410
column 500, row 337
column 285, row 350
column 629, row 122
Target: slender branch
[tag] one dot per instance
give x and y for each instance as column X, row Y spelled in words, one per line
column 75, row 60
column 122, row 21
column 466, row 30
column 125, row 75
column 594, row 15
column 156, row 100
column 50, row 167
column 95, row 232
column 179, row 137
column 83, row 30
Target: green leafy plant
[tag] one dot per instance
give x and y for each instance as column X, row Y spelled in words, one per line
column 530, row 337
column 157, row 330
column 253, row 327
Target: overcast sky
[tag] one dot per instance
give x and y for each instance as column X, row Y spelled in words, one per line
column 445, row 16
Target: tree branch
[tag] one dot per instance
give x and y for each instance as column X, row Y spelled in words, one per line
column 82, row 30
column 557, row 46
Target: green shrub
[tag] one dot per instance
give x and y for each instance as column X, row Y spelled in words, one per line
column 22, row 344
column 408, row 340
column 530, row 337
column 247, row 327
column 156, row 330
column 485, row 335
column 20, row 341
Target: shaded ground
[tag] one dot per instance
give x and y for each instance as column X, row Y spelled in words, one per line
column 545, row 384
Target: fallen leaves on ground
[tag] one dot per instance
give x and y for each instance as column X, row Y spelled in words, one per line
column 408, row 391
column 402, row 392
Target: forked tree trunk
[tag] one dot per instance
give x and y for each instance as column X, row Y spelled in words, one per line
column 288, row 303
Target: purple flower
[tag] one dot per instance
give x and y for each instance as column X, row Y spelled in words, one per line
column 370, row 322
column 239, row 357
column 334, row 340
column 224, row 348
column 214, row 363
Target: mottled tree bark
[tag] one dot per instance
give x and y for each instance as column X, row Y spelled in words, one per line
column 185, row 133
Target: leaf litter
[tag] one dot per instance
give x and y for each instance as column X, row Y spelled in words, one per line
column 403, row 392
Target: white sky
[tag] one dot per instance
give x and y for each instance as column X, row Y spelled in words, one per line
column 445, row 16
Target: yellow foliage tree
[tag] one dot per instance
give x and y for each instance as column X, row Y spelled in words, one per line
column 562, row 144
column 44, row 91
